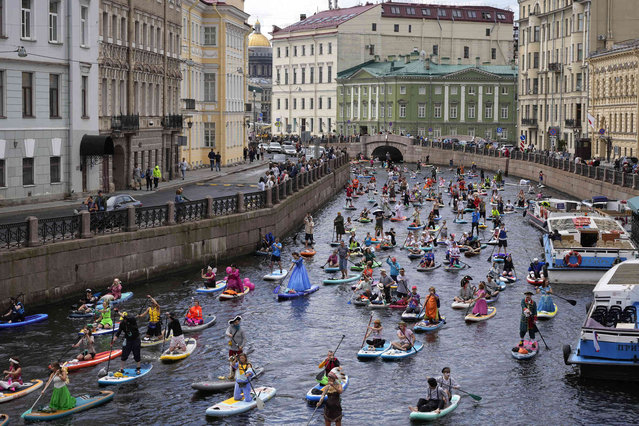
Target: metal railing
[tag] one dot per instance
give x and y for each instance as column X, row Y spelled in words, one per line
column 14, row 235
column 224, row 205
column 125, row 123
column 59, row 228
column 255, row 200
column 151, row 217
column 108, row 222
column 190, row 211
column 172, row 121
column 571, row 122
column 528, row 121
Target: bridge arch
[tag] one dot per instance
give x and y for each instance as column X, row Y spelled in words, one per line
column 395, row 153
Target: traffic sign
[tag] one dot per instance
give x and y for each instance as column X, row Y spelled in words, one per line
column 278, row 123
column 499, row 130
column 602, row 131
column 260, row 114
column 390, row 123
column 552, row 132
column 522, row 138
column 348, row 121
column 430, row 130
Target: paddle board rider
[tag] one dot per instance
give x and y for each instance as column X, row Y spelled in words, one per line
column 88, row 340
column 528, row 318
column 88, row 299
column 332, row 260
column 406, row 337
column 236, row 340
column 61, row 398
column 12, row 376
column 328, row 364
column 243, row 374
column 194, row 315
column 129, row 326
column 342, row 253
column 446, row 382
column 333, row 403
column 536, row 268
column 435, row 400
column 545, row 302
column 466, row 292
column 154, row 329
column 386, row 282
column 16, row 311
column 338, row 224
column 309, row 226
column 209, row 277
column 431, row 307
column 105, row 320
column 375, row 334
column 177, row 341
column 276, row 252
column 414, row 302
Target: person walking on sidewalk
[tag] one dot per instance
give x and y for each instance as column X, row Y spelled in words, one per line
column 212, row 158
column 183, row 166
column 245, row 154
column 148, row 174
column 157, row 175
column 218, row 161
column 137, row 177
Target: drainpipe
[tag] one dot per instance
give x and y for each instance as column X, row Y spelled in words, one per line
column 222, row 68
column 69, row 162
column 188, row 76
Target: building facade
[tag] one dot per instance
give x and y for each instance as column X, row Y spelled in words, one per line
column 556, row 37
column 308, row 54
column 425, row 99
column 48, row 75
column 613, row 99
column 260, row 71
column 139, row 86
column 215, row 83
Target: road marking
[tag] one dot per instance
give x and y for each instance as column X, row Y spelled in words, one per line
column 239, row 185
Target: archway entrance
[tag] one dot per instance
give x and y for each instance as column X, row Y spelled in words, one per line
column 395, row 154
column 119, row 169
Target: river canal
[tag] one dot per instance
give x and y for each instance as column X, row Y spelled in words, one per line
column 291, row 338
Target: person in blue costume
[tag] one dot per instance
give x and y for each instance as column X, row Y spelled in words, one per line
column 545, row 302
column 428, row 261
column 536, row 267
column 243, row 375
column 299, row 280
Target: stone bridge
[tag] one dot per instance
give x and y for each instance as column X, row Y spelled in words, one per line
column 399, row 147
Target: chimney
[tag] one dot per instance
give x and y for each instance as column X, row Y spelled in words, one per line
column 406, row 59
column 302, row 16
column 427, row 63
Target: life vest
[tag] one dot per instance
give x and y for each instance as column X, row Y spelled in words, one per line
column 154, row 314
column 195, row 313
column 106, row 314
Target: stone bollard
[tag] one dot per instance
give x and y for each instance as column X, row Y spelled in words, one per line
column 32, row 231
column 269, row 198
column 170, row 215
column 276, row 194
column 240, row 203
column 605, row 174
column 289, row 187
column 131, row 225
column 209, row 207
column 634, row 181
column 285, row 189
column 623, row 179
column 85, row 224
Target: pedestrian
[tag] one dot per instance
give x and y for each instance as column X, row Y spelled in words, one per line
column 212, row 158
column 129, row 326
column 100, row 203
column 245, row 153
column 528, row 317
column 218, row 161
column 343, row 255
column 157, row 175
column 309, row 226
column 183, row 166
column 137, row 177
column 148, row 175
column 262, row 153
column 338, row 223
column 179, row 204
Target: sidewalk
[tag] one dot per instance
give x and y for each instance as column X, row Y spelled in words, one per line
column 194, row 176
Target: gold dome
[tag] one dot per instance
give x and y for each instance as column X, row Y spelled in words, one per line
column 257, row 39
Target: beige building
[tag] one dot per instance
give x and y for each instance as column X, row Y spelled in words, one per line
column 308, row 54
column 614, row 102
column 215, row 83
column 555, row 39
column 139, row 77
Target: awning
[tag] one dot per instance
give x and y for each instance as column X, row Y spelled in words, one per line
column 96, row 145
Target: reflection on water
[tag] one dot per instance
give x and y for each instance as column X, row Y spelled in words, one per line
column 290, row 339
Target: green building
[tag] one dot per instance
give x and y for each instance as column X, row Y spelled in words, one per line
column 418, row 97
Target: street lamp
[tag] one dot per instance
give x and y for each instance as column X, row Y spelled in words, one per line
column 254, row 119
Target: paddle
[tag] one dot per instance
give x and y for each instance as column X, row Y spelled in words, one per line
column 367, row 328
column 571, row 301
column 542, row 337
column 102, row 372
column 409, row 342
column 64, row 353
column 491, row 254
column 43, row 390
column 164, row 336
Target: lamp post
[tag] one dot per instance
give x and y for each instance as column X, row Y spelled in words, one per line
column 254, row 119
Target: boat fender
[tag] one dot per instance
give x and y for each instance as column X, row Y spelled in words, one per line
column 569, row 255
column 566, row 349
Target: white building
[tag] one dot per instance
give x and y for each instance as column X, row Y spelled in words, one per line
column 308, row 54
column 48, row 102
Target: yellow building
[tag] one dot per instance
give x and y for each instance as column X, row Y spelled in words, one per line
column 215, row 80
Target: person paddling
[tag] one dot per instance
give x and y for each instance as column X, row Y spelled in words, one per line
column 436, row 399
column 209, row 277
column 105, row 321
column 375, row 334
column 333, row 403
column 194, row 315
column 431, row 307
column 236, row 339
column 414, row 302
column 446, row 382
column 528, row 318
column 466, row 292
column 276, row 253
column 243, row 374
column 327, row 365
column 87, row 302
column 406, row 338
column 132, row 344
column 177, row 341
column 154, row 328
column 332, row 260
column 545, row 302
column 61, row 398
column 481, row 307
column 16, row 311
column 12, row 376
column 88, row 340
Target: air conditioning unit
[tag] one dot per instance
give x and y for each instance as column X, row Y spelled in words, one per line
column 601, row 37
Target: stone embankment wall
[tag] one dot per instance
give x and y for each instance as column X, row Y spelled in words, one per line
column 50, row 273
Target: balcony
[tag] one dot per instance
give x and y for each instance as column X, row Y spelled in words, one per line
column 554, row 66
column 529, row 122
column 571, row 122
column 125, row 123
column 189, row 104
column 172, row 122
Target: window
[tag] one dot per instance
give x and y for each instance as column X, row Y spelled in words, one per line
column 453, row 90
column 330, row 49
column 402, row 110
column 303, row 75
column 426, row 12
column 210, row 38
column 85, row 94
column 410, row 10
column 319, row 102
column 466, row 52
column 311, row 77
column 390, row 110
column 441, row 12
column 487, row 32
column 486, row 15
column 279, row 52
column 489, row 111
column 580, row 51
column 209, row 135
column 580, row 22
column 410, row 28
column 504, row 90
column 402, row 90
column 27, row 94
column 422, row 90
column 286, row 52
column 381, row 110
column 27, row 171
column 390, row 90
column 438, row 90
column 54, row 95
column 437, row 132
column 579, row 81
column 396, row 28
column 471, row 90
column 471, row 111
column 1, row 94
column 294, row 103
column 312, row 46
column 329, row 74
column 437, row 111
column 457, row 13
column 320, row 74
column 285, row 103
column 453, row 111
column 536, row 33
column 3, row 179
column 53, row 20
column 294, row 76
column 421, row 110
column 279, row 103
column 493, row 53
column 209, row 87
column 330, row 101
column 1, row 21
column 373, row 26
column 26, row 19
column 394, row 10
column 321, row 49
column 54, row 169
column 504, row 133
column 371, row 49
column 504, row 112
column 303, row 50
column 435, row 49
column 471, row 14
column 84, row 25
column 489, row 90
column 501, row 16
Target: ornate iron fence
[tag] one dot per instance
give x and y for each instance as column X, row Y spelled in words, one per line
column 13, row 235
column 108, row 222
column 224, row 205
column 151, row 217
column 59, row 228
column 190, row 211
column 255, row 200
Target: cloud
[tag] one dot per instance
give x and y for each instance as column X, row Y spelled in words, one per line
column 287, row 12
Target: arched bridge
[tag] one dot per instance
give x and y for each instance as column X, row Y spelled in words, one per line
column 399, row 147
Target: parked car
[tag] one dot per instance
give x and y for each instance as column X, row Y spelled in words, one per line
column 262, row 145
column 289, row 149
column 121, row 201
column 274, row 147
column 508, row 147
column 309, row 151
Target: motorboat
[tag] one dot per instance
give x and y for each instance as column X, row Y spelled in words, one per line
column 541, row 210
column 581, row 247
column 607, row 347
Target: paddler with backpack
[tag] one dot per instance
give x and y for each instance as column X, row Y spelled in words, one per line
column 236, row 340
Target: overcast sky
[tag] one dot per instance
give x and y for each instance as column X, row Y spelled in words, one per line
column 286, row 12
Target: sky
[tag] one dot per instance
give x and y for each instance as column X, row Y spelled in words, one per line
column 286, row 12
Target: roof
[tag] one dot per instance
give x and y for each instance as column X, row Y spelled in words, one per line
column 257, row 39
column 417, row 68
column 447, row 12
column 325, row 19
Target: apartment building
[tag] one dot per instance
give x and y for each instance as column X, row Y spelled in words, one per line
column 48, row 114
column 556, row 38
column 308, row 54
column 215, row 84
column 139, row 84
column 260, row 71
